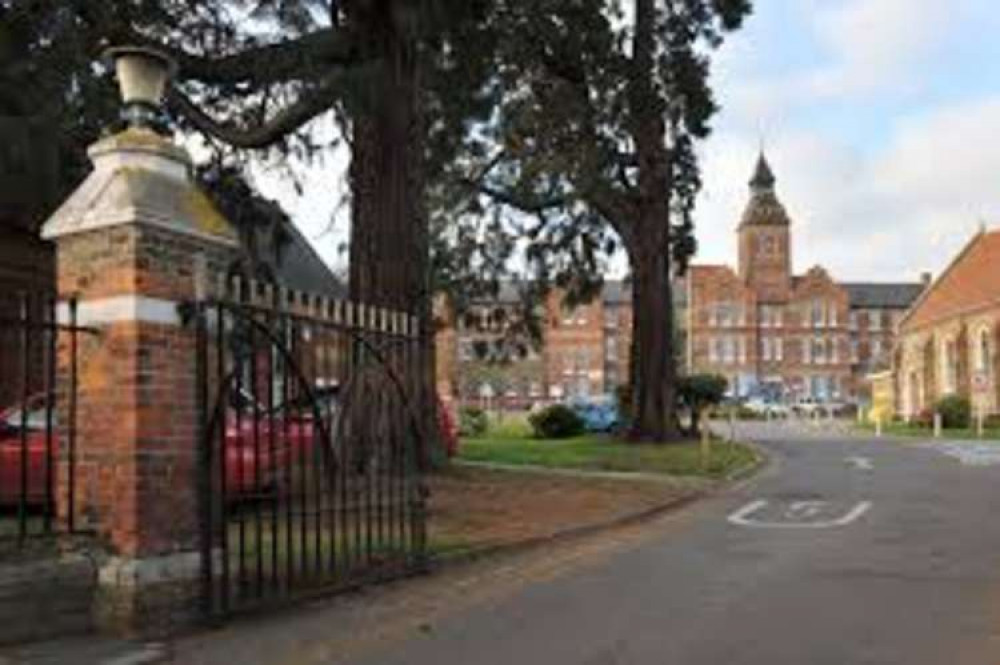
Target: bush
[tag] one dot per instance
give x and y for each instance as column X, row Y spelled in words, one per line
column 556, row 422
column 472, row 421
column 956, row 412
column 924, row 419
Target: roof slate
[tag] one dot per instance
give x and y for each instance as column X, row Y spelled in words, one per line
column 882, row 296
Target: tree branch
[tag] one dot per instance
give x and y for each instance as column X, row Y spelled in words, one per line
column 281, row 125
column 524, row 203
column 281, row 61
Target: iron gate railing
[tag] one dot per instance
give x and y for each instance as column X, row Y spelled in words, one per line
column 39, row 348
column 311, row 450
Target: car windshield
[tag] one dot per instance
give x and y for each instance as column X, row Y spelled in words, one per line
column 34, row 417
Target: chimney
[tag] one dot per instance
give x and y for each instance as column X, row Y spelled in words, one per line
column 925, row 279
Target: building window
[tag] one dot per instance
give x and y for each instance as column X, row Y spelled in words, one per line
column 853, row 321
column 778, row 349
column 819, row 351
column 610, row 348
column 949, row 369
column 817, row 314
column 876, row 349
column 855, row 354
column 985, row 354
column 765, row 348
column 874, row 319
column 611, row 317
column 834, row 352
column 806, row 345
column 770, row 316
column 833, row 315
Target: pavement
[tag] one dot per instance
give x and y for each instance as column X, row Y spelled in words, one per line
column 845, row 550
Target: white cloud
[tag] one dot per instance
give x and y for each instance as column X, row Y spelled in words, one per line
column 883, row 214
column 874, row 43
column 847, row 49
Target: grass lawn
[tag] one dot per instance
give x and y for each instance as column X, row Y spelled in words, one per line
column 915, row 431
column 510, row 442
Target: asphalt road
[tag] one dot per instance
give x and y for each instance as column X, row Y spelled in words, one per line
column 842, row 552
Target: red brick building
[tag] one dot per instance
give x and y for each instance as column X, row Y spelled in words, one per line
column 762, row 326
column 788, row 336
column 582, row 352
column 948, row 341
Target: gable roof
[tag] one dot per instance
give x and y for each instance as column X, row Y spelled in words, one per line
column 301, row 268
column 970, row 281
column 869, row 295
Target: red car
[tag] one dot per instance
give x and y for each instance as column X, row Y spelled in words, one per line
column 245, row 449
column 11, row 453
column 242, row 455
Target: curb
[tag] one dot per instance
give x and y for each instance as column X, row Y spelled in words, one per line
column 761, row 461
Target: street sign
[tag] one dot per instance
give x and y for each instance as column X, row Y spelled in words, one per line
column 980, row 382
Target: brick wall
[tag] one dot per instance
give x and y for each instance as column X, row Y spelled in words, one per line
column 136, row 399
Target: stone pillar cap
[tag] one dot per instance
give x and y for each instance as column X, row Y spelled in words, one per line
column 140, row 177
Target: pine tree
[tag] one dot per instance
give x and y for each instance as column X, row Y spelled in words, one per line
column 594, row 142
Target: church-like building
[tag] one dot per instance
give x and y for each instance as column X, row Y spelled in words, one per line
column 783, row 335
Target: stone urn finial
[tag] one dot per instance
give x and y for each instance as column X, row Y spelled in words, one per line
column 143, row 74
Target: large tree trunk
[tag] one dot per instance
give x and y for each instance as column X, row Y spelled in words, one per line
column 653, row 376
column 389, row 248
column 653, row 363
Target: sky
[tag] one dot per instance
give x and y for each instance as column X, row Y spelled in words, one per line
column 881, row 119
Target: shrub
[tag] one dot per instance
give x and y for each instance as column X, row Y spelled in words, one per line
column 472, row 421
column 556, row 422
column 955, row 410
column 923, row 419
column 699, row 392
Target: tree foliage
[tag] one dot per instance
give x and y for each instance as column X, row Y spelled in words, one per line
column 592, row 149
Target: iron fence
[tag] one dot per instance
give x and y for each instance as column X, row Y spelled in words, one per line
column 311, row 446
column 39, row 349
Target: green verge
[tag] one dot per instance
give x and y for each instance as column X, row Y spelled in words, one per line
column 509, row 444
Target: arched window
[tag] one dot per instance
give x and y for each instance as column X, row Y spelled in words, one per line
column 949, row 368
column 985, row 355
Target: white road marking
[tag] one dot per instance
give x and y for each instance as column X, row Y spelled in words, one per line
column 861, row 463
column 968, row 453
column 803, row 510
column 743, row 516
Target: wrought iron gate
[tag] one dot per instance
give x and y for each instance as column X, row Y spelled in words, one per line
column 311, row 449
column 40, row 340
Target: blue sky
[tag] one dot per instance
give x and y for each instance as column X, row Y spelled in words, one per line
column 880, row 117
column 882, row 120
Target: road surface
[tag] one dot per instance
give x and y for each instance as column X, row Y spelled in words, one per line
column 843, row 552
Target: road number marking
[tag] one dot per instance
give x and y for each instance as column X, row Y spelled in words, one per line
column 799, row 515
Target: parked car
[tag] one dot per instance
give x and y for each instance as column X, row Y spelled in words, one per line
column 806, row 406
column 255, row 461
column 32, row 421
column 253, row 465
column 766, row 408
column 598, row 415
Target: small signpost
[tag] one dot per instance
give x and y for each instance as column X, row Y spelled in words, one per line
column 980, row 388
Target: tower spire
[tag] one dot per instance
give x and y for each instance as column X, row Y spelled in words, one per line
column 763, row 177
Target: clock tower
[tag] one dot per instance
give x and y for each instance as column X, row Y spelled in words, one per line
column 765, row 262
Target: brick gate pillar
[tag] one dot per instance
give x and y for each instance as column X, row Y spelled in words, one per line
column 134, row 241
